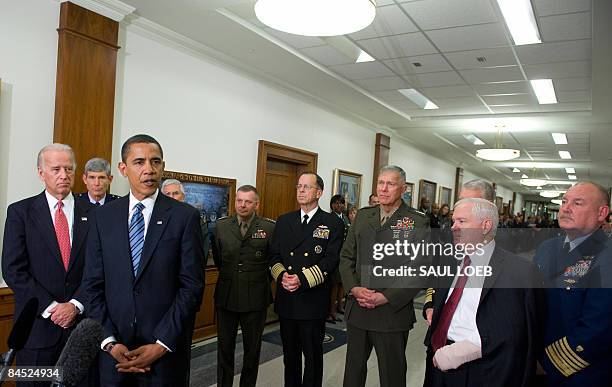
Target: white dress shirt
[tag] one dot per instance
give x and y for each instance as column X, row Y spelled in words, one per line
column 68, row 210
column 576, row 242
column 309, row 213
column 463, row 325
column 94, row 201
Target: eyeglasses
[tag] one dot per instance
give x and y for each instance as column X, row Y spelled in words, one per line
column 306, row 187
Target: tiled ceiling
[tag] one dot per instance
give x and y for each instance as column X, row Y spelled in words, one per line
column 459, row 55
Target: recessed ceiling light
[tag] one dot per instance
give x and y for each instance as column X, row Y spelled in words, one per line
column 364, row 57
column 516, row 170
column 538, row 187
column 520, row 20
column 570, row 170
column 565, row 155
column 544, row 91
column 556, row 201
column 559, row 138
column 419, row 99
column 572, row 177
column 523, row 176
column 473, row 139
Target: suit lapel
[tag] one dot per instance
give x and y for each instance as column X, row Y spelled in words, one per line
column 157, row 225
column 302, row 233
column 497, row 266
column 42, row 218
column 79, row 229
column 120, row 218
column 235, row 227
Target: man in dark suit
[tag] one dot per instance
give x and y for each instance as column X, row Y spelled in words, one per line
column 144, row 276
column 43, row 256
column 97, row 178
column 578, row 268
column 485, row 327
column 242, row 295
column 379, row 317
column 304, row 253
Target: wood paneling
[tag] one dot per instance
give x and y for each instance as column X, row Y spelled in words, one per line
column 458, row 182
column 85, row 84
column 381, row 156
column 206, row 321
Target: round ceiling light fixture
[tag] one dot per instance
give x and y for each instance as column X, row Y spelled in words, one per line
column 316, row 17
column 556, row 201
column 497, row 154
column 550, row 194
column 533, row 182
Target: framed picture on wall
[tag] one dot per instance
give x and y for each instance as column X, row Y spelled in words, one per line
column 427, row 189
column 408, row 195
column 499, row 202
column 212, row 196
column 445, row 196
column 347, row 184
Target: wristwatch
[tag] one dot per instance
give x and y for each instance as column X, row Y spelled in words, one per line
column 109, row 347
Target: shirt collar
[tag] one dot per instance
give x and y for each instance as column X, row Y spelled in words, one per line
column 310, row 213
column 576, row 242
column 94, row 201
column 484, row 258
column 248, row 221
column 52, row 200
column 148, row 202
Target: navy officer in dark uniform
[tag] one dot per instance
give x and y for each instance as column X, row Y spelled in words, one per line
column 305, row 251
column 97, row 178
column 577, row 265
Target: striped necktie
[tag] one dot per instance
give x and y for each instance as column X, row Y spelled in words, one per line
column 136, row 232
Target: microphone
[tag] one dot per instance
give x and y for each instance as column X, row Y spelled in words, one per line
column 19, row 334
column 80, row 351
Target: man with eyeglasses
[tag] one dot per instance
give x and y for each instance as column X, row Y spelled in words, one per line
column 305, row 251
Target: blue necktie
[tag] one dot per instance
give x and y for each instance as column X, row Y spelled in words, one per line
column 136, row 232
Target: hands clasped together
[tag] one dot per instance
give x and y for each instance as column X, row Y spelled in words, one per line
column 368, row 298
column 138, row 360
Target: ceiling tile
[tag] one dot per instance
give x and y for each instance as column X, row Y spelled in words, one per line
column 515, row 109
column 326, row 55
column 574, row 96
column 572, row 84
column 570, row 106
column 362, row 70
column 429, row 64
column 522, row 99
column 383, row 83
column 391, row 95
column 463, row 60
column 296, row 41
column 448, row 91
column 397, row 46
column 556, row 7
column 495, row 74
column 446, row 78
column 559, row 70
column 469, row 37
column 566, row 27
column 461, row 102
column 390, row 20
column 555, row 52
column 434, row 14
column 502, row 88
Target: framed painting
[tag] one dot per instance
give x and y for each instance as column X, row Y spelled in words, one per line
column 409, row 194
column 445, row 196
column 213, row 196
column 427, row 189
column 347, row 184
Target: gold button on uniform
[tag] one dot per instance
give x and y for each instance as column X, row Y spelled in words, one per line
column 291, row 253
column 289, row 268
column 305, row 254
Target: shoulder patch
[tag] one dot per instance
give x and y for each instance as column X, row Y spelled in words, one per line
column 269, row 220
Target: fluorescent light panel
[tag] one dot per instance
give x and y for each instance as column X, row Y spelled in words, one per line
column 364, row 57
column 473, row 139
column 516, row 170
column 523, row 176
column 559, row 138
column 570, row 170
column 349, row 49
column 565, row 155
column 572, row 177
column 520, row 20
column 544, row 91
column 419, row 99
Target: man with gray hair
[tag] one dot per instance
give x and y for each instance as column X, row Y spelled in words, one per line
column 485, row 327
column 43, row 256
column 477, row 188
column 97, row 178
column 175, row 189
column 379, row 317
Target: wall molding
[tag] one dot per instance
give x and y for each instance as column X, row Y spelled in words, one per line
column 112, row 9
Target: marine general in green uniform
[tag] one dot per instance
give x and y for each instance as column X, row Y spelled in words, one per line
column 242, row 295
column 379, row 316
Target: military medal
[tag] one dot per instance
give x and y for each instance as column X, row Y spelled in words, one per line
column 405, row 225
column 572, row 274
column 318, row 249
column 260, row 234
column 321, row 232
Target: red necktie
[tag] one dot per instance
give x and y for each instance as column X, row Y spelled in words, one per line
column 438, row 339
column 62, row 233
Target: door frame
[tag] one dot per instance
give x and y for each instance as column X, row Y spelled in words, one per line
column 306, row 161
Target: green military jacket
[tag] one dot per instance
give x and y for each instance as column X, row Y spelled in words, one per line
column 244, row 279
column 398, row 313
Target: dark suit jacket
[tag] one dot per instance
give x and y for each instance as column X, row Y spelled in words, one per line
column 313, row 254
column 109, row 197
column 161, row 302
column 32, row 263
column 509, row 320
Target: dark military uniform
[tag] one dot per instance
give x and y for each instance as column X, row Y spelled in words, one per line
column 385, row 327
column 242, row 294
column 578, row 330
column 311, row 252
column 108, row 198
